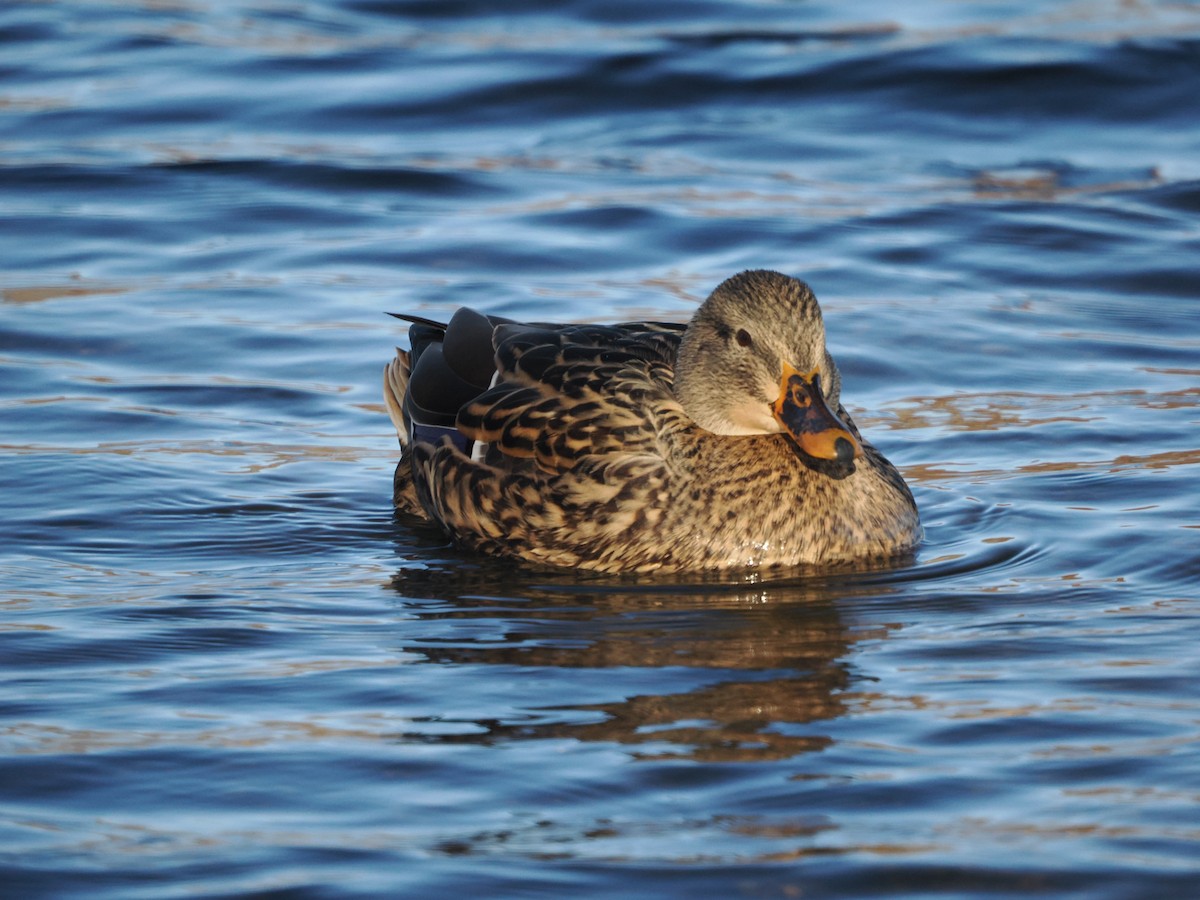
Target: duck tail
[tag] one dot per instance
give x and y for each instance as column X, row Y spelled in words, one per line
column 396, row 375
column 424, row 388
column 395, row 384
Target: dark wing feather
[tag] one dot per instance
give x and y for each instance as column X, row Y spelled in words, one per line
column 419, row 320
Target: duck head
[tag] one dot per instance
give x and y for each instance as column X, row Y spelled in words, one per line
column 753, row 361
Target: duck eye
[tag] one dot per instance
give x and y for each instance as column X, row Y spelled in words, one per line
column 743, row 338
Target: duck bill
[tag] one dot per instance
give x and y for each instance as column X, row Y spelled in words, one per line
column 802, row 411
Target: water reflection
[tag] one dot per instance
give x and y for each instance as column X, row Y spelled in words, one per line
column 771, row 658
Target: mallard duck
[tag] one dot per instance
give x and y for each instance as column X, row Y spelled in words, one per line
column 645, row 446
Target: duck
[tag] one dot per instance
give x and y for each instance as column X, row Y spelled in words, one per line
column 719, row 445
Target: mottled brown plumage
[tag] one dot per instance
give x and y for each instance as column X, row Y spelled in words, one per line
column 654, row 447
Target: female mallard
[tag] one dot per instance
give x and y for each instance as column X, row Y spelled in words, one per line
column 645, row 446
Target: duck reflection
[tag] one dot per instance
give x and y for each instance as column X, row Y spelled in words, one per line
column 770, row 657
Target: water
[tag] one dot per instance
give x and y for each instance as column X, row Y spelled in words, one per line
column 228, row 673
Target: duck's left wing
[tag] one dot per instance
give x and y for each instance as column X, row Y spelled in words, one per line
column 566, row 393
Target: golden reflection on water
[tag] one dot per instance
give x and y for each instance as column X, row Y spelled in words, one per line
column 998, row 410
column 38, row 738
column 76, row 288
column 265, row 455
column 941, row 471
column 1105, row 21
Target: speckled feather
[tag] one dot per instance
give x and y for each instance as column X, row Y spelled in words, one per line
column 591, row 462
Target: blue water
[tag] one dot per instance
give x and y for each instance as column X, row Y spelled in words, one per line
column 227, row 672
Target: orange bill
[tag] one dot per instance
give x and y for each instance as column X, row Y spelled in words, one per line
column 802, row 411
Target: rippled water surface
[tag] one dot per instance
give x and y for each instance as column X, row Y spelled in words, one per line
column 228, row 672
